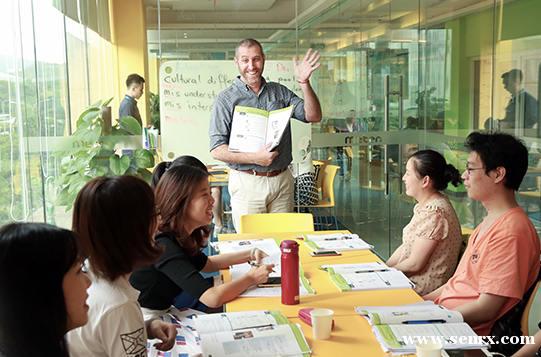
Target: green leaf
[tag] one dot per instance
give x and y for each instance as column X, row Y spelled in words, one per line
column 119, row 165
column 106, row 102
column 143, row 158
column 89, row 115
column 144, row 174
column 131, row 125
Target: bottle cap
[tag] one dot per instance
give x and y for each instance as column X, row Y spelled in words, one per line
column 289, row 246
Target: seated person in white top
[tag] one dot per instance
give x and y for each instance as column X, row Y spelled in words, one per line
column 115, row 219
column 42, row 289
column 432, row 239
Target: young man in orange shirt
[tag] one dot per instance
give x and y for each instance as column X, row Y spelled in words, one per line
column 502, row 258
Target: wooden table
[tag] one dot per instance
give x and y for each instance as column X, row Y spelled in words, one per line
column 352, row 334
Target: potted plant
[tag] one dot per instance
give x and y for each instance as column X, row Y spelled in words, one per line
column 94, row 152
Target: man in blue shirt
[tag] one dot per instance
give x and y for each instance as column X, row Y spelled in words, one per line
column 259, row 182
column 135, row 87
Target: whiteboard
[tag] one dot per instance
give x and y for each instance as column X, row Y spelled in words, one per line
column 187, row 93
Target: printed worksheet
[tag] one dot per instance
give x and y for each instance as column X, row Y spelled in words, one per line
column 277, row 340
column 336, row 241
column 254, row 128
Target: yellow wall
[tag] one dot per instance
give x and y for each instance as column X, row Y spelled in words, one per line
column 128, row 35
column 153, row 70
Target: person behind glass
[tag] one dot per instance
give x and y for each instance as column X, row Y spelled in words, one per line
column 184, row 206
column 501, row 261
column 216, row 192
column 351, row 125
column 522, row 109
column 43, row 289
column 431, row 240
column 135, row 86
column 114, row 219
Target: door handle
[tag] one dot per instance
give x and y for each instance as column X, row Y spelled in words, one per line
column 386, row 128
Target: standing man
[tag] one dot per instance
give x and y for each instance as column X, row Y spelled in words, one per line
column 134, row 90
column 501, row 261
column 259, row 182
column 522, row 109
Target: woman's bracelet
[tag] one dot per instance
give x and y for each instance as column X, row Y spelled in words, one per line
column 303, row 82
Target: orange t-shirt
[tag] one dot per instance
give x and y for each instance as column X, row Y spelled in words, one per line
column 503, row 262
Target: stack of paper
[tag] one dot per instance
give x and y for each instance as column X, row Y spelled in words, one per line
column 270, row 247
column 399, row 328
column 250, row 333
column 367, row 276
column 335, row 241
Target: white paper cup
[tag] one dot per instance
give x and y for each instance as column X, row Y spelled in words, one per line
column 428, row 349
column 321, row 323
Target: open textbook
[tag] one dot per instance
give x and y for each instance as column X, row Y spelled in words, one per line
column 250, row 333
column 254, row 128
column 366, row 276
column 398, row 328
column 335, row 241
column 187, row 340
column 270, row 247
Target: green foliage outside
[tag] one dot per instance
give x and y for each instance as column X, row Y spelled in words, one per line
column 155, row 110
column 93, row 154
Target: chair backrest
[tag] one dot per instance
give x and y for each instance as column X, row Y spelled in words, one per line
column 532, row 313
column 276, row 222
column 327, row 185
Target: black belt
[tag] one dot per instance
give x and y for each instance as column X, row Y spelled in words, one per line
column 263, row 173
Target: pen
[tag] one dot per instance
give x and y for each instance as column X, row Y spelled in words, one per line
column 256, row 265
column 413, row 322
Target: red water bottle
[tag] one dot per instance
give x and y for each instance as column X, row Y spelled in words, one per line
column 290, row 272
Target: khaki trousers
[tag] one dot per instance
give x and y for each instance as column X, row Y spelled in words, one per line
column 259, row 194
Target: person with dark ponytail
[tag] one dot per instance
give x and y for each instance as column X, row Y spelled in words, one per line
column 42, row 289
column 431, row 241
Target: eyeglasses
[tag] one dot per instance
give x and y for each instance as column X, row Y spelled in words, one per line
column 470, row 169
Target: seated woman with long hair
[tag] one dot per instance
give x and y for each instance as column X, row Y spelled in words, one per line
column 216, row 191
column 184, row 205
column 42, row 289
column 115, row 220
column 431, row 241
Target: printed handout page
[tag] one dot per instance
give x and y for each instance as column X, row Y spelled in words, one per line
column 425, row 312
column 355, row 268
column 378, row 280
column 270, row 247
column 396, row 337
column 336, row 241
column 187, row 340
column 276, row 126
column 254, row 128
column 275, row 340
column 231, row 321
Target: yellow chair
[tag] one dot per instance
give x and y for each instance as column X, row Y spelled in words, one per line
column 326, row 176
column 276, row 222
column 532, row 312
column 328, row 173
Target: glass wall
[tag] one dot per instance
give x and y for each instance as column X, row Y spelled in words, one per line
column 410, row 75
column 52, row 65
